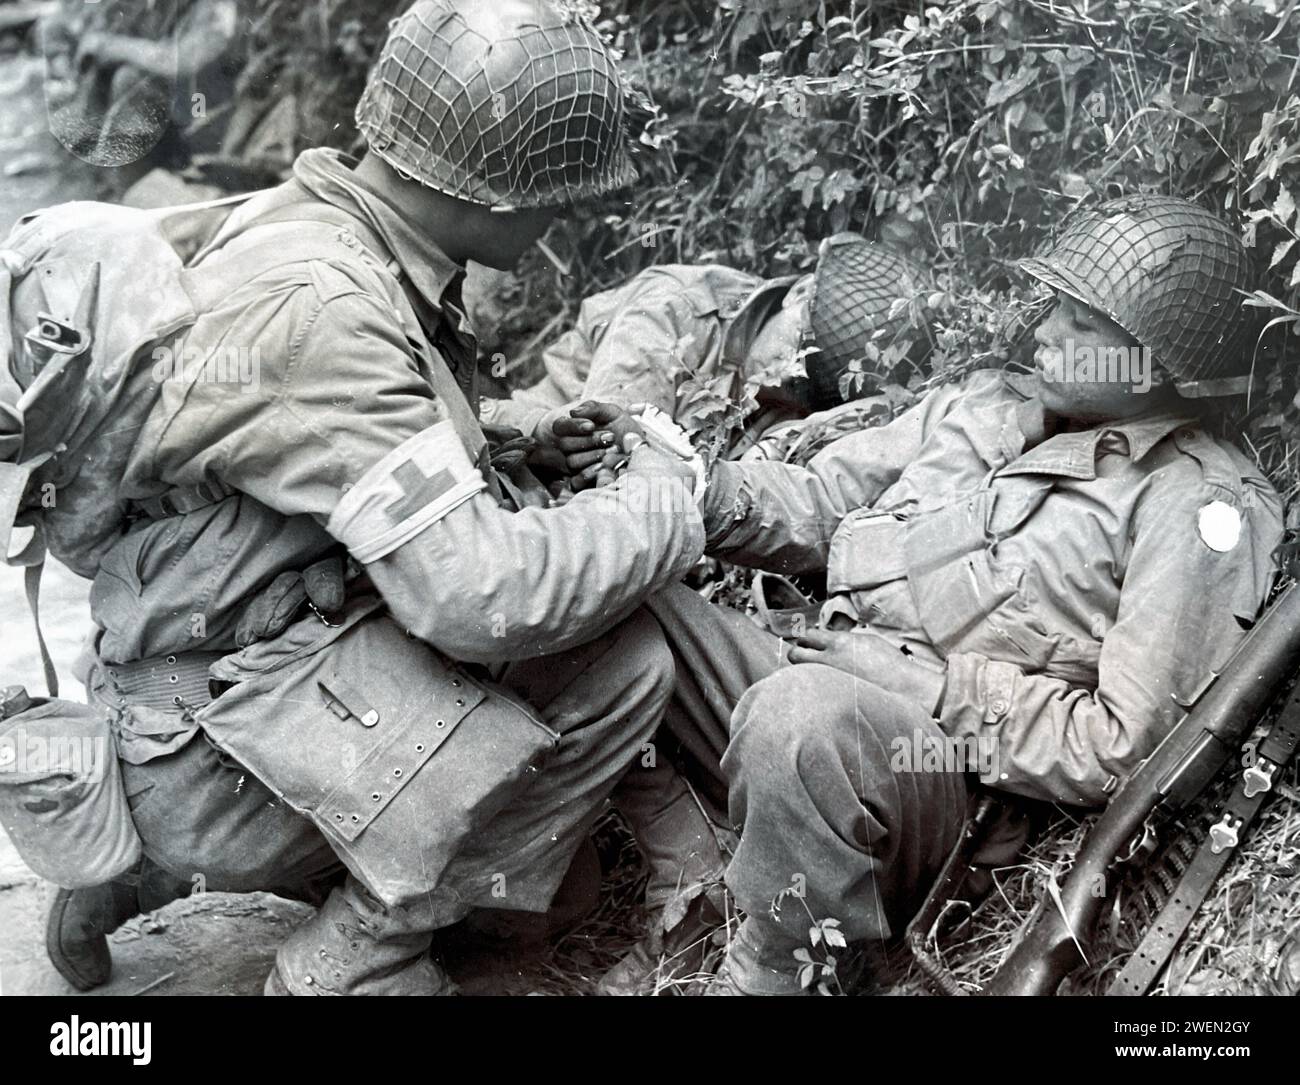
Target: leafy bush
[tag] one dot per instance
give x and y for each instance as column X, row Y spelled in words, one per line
column 965, row 130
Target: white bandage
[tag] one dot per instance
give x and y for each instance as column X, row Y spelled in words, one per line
column 415, row 485
column 665, row 435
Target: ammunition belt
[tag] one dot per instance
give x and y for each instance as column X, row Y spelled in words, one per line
column 1248, row 795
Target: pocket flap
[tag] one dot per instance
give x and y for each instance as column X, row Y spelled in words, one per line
column 866, row 551
column 356, row 802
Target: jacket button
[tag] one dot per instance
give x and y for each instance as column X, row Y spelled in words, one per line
column 998, row 707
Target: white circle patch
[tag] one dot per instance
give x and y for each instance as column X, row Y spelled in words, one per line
column 1219, row 525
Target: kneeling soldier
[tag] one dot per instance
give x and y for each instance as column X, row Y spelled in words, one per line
column 397, row 763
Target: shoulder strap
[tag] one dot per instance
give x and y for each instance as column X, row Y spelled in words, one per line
column 1216, row 464
column 32, row 583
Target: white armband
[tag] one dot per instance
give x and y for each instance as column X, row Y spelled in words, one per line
column 415, row 485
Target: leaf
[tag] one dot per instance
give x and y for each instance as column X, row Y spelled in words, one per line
column 803, row 955
column 1279, row 252
column 836, row 938
column 1284, row 206
column 806, row 975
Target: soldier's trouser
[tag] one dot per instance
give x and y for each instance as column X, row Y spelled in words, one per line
column 199, row 813
column 809, row 756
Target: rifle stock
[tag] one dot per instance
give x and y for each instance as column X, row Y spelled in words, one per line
column 1174, row 774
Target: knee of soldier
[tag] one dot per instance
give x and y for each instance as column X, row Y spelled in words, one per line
column 643, row 645
column 787, row 725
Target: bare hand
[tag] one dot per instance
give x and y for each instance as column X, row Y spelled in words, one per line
column 873, row 659
column 593, row 440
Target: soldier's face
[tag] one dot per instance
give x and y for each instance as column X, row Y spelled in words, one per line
column 501, row 238
column 1089, row 368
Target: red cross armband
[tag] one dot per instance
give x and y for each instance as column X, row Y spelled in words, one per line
column 415, row 485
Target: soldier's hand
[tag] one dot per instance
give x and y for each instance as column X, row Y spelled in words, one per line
column 593, row 441
column 872, row 658
column 321, row 585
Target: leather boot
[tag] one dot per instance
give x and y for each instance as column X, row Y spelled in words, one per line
column 660, row 959
column 80, row 921
column 349, row 948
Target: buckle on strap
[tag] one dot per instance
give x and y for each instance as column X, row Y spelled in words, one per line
column 183, row 499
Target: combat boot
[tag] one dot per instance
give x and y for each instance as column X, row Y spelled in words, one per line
column 683, row 850
column 345, row 949
column 80, row 921
column 662, row 960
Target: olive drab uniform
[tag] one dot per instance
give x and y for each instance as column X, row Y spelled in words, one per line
column 638, row 342
column 1077, row 593
column 440, row 776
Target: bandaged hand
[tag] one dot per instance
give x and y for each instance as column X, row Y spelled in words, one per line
column 870, row 657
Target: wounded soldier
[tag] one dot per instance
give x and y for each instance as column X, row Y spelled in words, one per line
column 640, row 342
column 1029, row 579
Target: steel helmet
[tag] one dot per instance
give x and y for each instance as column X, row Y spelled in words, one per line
column 854, row 288
column 510, row 104
column 1169, row 273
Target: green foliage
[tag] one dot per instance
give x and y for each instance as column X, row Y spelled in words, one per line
column 963, row 130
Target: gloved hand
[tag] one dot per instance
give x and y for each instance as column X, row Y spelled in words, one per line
column 508, row 449
column 321, row 586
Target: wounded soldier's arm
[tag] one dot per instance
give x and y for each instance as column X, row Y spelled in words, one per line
column 1183, row 609
column 348, row 430
column 645, row 344
column 781, row 517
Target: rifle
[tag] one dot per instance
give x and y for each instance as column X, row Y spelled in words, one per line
column 1257, row 674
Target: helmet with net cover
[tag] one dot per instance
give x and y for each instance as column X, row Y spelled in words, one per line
column 511, row 104
column 1171, row 274
column 854, row 291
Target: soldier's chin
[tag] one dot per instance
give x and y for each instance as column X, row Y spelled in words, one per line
column 1060, row 399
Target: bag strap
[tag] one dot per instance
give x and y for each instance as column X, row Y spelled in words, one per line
column 32, row 584
column 183, row 499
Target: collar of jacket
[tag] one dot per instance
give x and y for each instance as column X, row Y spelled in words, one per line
column 1074, row 454
column 755, row 311
column 329, row 176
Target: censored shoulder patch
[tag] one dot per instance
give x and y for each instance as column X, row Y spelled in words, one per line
column 415, row 485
